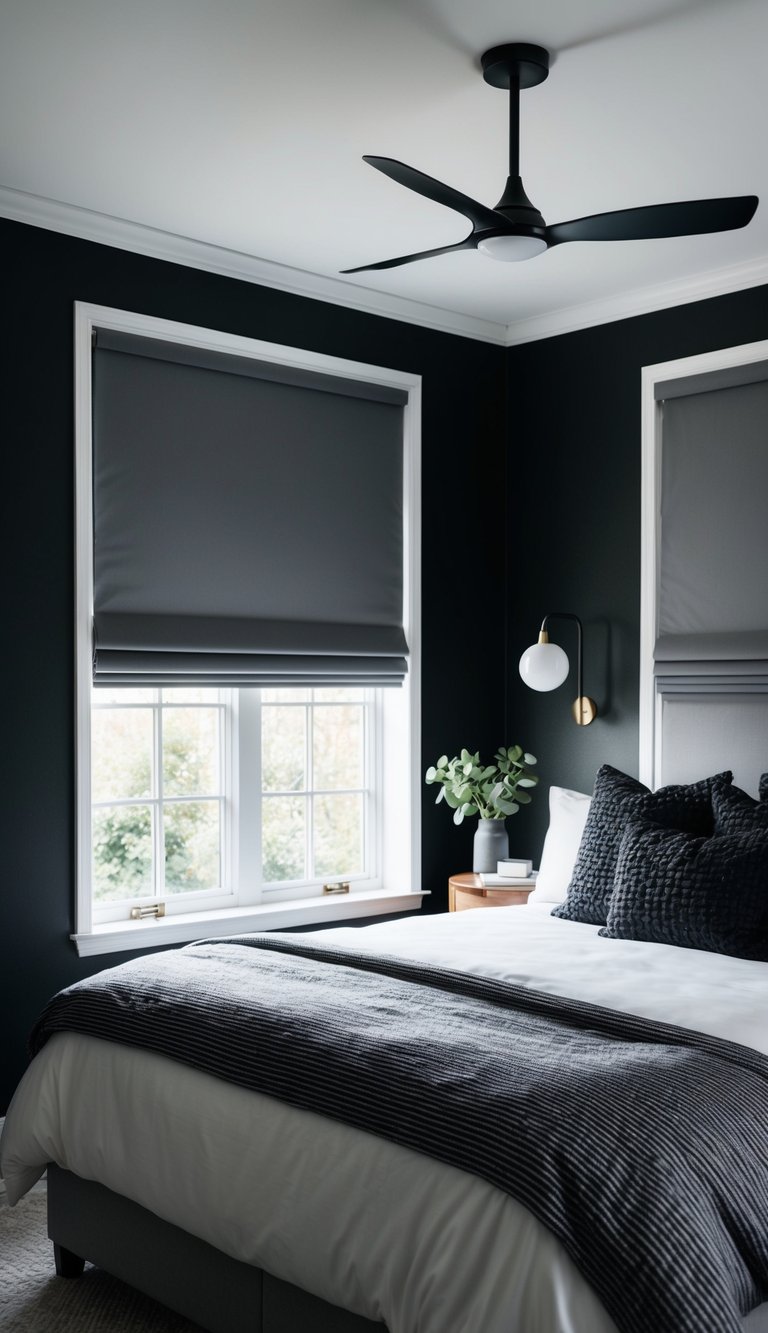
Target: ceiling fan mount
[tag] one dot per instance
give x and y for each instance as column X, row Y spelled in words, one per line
column 516, row 64
column 514, row 229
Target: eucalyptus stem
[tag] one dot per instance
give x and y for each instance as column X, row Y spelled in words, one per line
column 492, row 791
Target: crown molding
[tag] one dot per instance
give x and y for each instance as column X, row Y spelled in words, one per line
column 89, row 225
column 53, row 215
column 642, row 301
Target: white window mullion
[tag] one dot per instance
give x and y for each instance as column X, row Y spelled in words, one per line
column 309, row 785
column 372, row 779
column 246, row 795
column 227, row 771
column 157, row 792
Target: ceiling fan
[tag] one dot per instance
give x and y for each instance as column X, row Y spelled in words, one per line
column 515, row 229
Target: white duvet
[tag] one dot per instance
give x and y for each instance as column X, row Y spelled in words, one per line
column 359, row 1221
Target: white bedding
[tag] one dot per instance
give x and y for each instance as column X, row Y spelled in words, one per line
column 357, row 1220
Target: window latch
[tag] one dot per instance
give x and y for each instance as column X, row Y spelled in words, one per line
column 147, row 910
column 340, row 886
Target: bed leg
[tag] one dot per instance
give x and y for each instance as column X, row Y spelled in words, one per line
column 67, row 1263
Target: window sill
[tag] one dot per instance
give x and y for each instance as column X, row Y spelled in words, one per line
column 117, row 936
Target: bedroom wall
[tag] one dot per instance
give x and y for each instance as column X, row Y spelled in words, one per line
column 574, row 524
column 463, row 601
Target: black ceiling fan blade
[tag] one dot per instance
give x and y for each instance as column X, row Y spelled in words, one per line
column 480, row 216
column 468, row 244
column 691, row 218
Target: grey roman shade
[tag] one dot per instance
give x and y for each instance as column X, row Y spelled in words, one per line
column 248, row 520
column 713, row 559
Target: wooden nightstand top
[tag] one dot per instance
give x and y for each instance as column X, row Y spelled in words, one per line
column 465, row 891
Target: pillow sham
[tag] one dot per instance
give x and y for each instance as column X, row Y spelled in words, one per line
column 568, row 812
column 617, row 799
column 695, row 892
column 735, row 811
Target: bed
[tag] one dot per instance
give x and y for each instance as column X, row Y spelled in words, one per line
column 352, row 1232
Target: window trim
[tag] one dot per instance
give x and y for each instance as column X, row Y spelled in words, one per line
column 651, row 702
column 88, row 937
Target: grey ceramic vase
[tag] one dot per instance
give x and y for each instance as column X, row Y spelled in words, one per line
column 491, row 845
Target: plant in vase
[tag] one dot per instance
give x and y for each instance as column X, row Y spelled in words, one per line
column 491, row 791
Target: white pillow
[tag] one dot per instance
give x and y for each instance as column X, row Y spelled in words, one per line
column 568, row 812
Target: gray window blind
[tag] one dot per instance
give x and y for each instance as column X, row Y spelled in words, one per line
column 248, row 521
column 713, row 588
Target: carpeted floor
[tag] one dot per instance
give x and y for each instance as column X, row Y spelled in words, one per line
column 34, row 1300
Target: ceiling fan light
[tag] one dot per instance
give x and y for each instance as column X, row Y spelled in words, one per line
column 511, row 248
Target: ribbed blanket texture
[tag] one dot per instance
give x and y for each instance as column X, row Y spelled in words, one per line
column 643, row 1147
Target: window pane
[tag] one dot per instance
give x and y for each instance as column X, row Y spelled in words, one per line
column 190, row 751
column 338, row 836
column 185, row 694
column 122, row 853
column 192, row 846
column 122, row 753
column 338, row 694
column 282, row 748
column 288, row 694
column 338, row 746
column 283, row 832
column 101, row 695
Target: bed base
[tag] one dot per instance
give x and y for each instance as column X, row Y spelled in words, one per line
column 223, row 1295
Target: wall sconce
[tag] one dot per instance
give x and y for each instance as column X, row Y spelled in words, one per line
column 544, row 666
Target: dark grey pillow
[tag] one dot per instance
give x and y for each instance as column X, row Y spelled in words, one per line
column 764, row 787
column 735, row 811
column 699, row 893
column 617, row 799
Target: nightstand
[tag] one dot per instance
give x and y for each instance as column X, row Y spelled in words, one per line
column 466, row 891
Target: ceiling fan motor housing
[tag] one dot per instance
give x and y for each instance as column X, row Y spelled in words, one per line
column 517, row 208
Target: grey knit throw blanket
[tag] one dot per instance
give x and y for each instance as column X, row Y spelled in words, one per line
column 641, row 1146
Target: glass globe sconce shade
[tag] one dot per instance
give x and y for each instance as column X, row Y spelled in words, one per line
column 544, row 666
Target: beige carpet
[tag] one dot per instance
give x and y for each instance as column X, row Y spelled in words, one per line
column 34, row 1300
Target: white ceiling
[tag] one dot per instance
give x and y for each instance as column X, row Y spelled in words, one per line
column 241, row 123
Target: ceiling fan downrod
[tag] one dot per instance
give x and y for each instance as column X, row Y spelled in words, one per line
column 515, row 66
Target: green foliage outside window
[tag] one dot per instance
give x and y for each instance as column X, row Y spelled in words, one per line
column 123, row 836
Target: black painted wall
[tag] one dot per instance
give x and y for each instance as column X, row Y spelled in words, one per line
column 541, row 443
column 574, row 524
column 464, row 460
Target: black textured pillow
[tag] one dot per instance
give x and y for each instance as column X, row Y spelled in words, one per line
column 764, row 787
column 736, row 812
column 617, row 799
column 699, row 893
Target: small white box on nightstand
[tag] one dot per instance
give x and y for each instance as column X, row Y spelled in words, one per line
column 514, row 869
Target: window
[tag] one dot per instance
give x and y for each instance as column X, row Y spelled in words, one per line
column 161, row 797
column 317, row 815
column 704, row 617
column 211, row 798
column 234, row 757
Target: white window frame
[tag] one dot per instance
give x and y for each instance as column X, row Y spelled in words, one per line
column 651, row 702
column 399, row 780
